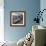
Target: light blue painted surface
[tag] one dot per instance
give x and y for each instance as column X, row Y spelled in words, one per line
column 43, row 6
column 30, row 6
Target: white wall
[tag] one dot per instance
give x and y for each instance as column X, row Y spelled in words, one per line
column 1, row 20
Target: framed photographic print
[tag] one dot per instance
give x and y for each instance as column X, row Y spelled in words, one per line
column 17, row 18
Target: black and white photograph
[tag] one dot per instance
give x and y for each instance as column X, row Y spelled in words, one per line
column 17, row 18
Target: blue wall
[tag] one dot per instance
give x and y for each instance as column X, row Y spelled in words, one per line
column 30, row 6
column 43, row 6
